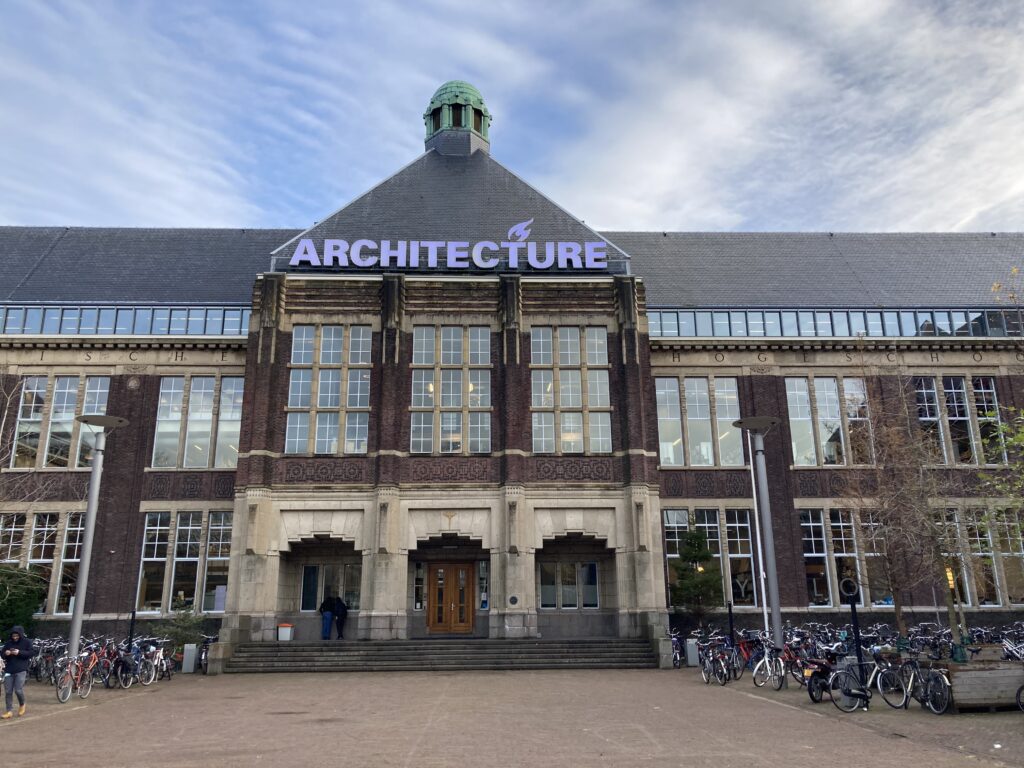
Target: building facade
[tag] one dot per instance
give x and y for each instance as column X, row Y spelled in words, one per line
column 470, row 414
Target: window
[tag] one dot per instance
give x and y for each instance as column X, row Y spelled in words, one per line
column 830, row 425
column 727, row 410
column 572, row 433
column 543, row 433
column 600, row 432
column 741, row 558
column 62, row 421
column 310, row 588
column 97, row 391
column 187, row 539
column 597, row 346
column 928, row 419
column 1011, row 547
column 698, row 422
column 879, row 584
column 168, row 421
column 844, row 547
column 211, row 438
column 12, row 535
column 30, row 421
column 857, row 419
column 959, row 418
column 815, row 568
column 676, row 525
column 72, row 554
column 464, row 396
column 670, row 432
column 986, row 408
column 323, row 411
column 981, row 564
column 200, row 421
column 218, row 554
column 541, row 346
column 154, row 561
column 568, row 585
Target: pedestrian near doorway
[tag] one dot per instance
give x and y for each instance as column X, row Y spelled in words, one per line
column 326, row 616
column 17, row 652
column 340, row 613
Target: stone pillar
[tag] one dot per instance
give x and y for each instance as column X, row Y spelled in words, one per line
column 639, row 570
column 382, row 611
column 514, row 603
column 253, row 575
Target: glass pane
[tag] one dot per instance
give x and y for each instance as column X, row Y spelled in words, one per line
column 215, row 587
column 151, row 585
column 588, row 584
column 698, row 422
column 310, row 584
column 567, row 578
column 800, row 425
column 548, row 585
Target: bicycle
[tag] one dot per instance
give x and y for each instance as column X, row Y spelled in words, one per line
column 929, row 687
column 770, row 668
column 204, row 652
column 852, row 690
column 77, row 675
column 677, row 648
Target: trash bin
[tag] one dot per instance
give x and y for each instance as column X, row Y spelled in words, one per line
column 188, row 658
column 284, row 632
column 692, row 657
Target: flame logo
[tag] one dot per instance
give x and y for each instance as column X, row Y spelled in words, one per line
column 520, row 231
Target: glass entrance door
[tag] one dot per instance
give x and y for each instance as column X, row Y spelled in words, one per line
column 450, row 597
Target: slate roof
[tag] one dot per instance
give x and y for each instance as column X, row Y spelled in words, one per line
column 451, row 197
column 93, row 264
column 778, row 269
column 438, row 197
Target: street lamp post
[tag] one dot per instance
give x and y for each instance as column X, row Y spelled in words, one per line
column 757, row 426
column 104, row 423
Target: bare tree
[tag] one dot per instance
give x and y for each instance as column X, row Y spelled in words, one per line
column 903, row 496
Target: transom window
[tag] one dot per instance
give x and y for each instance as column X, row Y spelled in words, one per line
column 329, row 390
column 570, row 392
column 451, row 390
column 707, row 410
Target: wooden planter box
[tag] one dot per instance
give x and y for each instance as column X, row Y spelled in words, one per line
column 986, row 683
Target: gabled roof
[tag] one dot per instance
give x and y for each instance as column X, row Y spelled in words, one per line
column 450, row 198
column 821, row 269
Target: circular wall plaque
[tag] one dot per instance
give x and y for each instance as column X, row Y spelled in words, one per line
column 513, row 600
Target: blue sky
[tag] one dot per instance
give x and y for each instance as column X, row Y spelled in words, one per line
column 841, row 115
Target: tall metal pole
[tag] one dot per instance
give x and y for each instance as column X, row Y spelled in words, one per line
column 75, row 633
column 769, row 541
column 757, row 535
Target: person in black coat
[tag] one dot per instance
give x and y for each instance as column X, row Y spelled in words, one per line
column 17, row 653
column 340, row 612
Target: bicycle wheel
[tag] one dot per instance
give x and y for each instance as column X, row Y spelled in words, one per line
column 816, row 689
column 705, row 671
column 890, row 685
column 739, row 665
column 762, row 672
column 204, row 660
column 721, row 670
column 103, row 672
column 85, row 684
column 796, row 671
column 676, row 663
column 147, row 671
column 846, row 690
column 1020, row 698
column 778, row 674
column 938, row 693
column 124, row 675
column 65, row 682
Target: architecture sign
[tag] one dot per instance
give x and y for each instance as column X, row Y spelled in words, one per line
column 515, row 253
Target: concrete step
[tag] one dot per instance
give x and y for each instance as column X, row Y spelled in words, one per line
column 442, row 655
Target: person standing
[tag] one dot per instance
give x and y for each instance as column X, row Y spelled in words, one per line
column 326, row 616
column 340, row 613
column 17, row 652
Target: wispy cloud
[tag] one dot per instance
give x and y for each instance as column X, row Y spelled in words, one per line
column 846, row 115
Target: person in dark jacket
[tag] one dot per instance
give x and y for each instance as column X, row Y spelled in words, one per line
column 340, row 612
column 326, row 614
column 17, row 652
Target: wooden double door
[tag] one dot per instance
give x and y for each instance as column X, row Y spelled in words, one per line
column 451, row 597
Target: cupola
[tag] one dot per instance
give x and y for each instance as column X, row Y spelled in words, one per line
column 457, row 120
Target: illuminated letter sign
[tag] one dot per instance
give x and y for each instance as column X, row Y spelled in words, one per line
column 515, row 253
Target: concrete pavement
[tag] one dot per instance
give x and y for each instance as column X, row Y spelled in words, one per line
column 616, row 718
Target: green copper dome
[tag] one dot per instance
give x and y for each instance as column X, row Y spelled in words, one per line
column 457, row 106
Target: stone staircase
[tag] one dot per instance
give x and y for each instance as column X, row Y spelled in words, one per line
column 442, row 655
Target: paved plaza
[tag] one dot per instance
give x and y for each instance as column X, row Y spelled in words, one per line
column 620, row 718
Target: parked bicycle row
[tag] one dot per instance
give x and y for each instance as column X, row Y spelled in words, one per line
column 824, row 660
